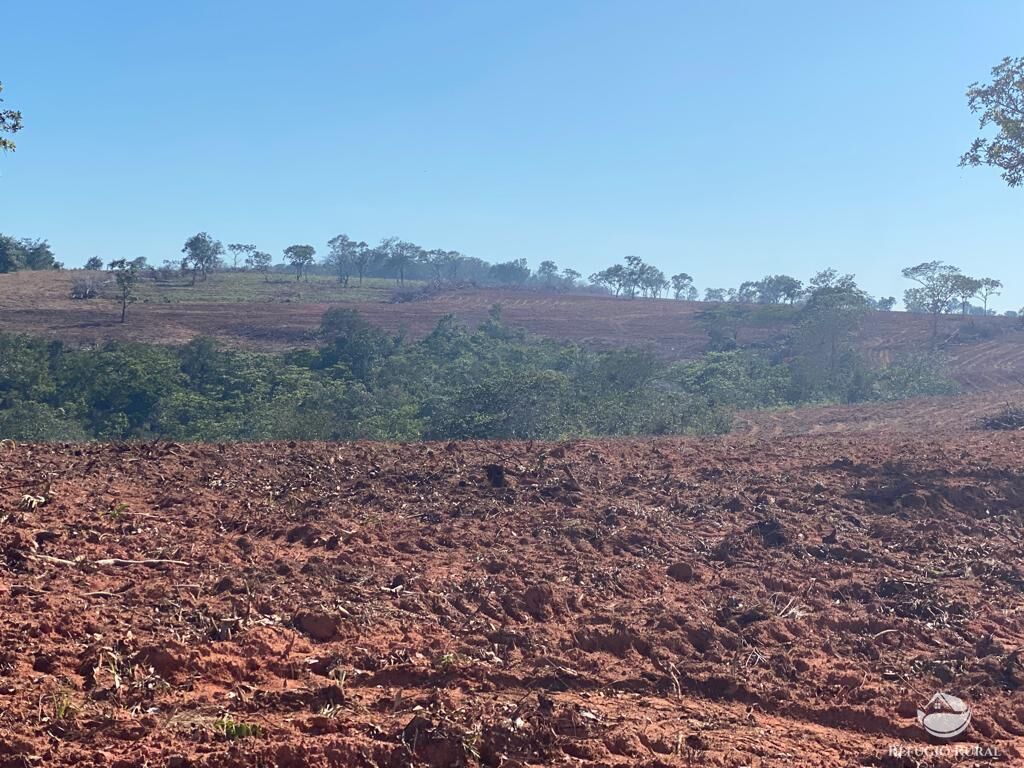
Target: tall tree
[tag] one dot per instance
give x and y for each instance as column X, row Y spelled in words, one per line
column 1001, row 104
column 238, row 250
column 965, row 288
column 402, row 255
column 937, row 283
column 514, row 272
column 202, row 253
column 989, row 287
column 547, row 272
column 12, row 254
column 300, row 256
column 832, row 314
column 260, row 261
column 127, row 275
column 363, row 257
column 340, row 256
column 681, row 284
column 10, row 122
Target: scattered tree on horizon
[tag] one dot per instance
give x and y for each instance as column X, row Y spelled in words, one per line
column 548, row 272
column 94, row 263
column 514, row 272
column 938, row 287
column 401, row 255
column 239, row 249
column 681, row 284
column 202, row 253
column 10, row 123
column 1001, row 104
column 340, row 256
column 127, row 275
column 300, row 257
column 965, row 288
column 260, row 261
column 26, row 253
column 989, row 287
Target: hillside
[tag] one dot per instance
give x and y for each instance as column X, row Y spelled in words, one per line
column 984, row 353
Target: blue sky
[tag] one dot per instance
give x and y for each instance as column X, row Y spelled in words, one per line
column 724, row 139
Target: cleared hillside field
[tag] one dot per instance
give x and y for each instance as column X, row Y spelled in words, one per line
column 984, row 354
column 613, row 603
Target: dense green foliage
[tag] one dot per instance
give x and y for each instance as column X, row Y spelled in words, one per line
column 25, row 253
column 491, row 382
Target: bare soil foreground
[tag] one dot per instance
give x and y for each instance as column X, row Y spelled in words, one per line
column 668, row 602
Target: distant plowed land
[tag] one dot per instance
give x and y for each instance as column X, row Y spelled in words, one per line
column 984, row 353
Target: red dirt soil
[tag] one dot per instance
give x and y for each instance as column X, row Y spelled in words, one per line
column 669, row 602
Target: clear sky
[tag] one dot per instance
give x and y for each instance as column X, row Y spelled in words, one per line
column 724, row 139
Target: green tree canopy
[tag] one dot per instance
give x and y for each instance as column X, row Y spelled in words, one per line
column 1001, row 106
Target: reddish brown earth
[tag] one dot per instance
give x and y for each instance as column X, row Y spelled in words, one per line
column 913, row 416
column 670, row 602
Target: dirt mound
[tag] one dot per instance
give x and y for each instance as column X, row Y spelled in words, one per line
column 657, row 603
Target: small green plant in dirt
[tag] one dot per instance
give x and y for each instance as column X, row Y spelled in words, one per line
column 233, row 731
column 447, row 662
column 57, row 710
column 117, row 511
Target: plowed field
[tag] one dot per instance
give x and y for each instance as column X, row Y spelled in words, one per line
column 614, row 603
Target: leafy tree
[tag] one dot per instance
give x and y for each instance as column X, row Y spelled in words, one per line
column 965, row 288
column 94, row 263
column 260, row 261
column 681, row 284
column 714, row 294
column 12, row 254
column 614, row 279
column 748, row 293
column 570, row 276
column 885, row 304
column 511, row 272
column 401, row 255
column 938, row 286
column 202, row 254
column 300, row 257
column 25, row 253
column 363, row 257
column 341, row 255
column 547, row 272
column 240, row 249
column 10, row 122
column 1001, row 104
column 353, row 343
column 444, row 265
column 127, row 275
column 38, row 255
column 825, row 362
column 776, row 289
column 988, row 287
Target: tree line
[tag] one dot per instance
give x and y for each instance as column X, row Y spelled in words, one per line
column 491, row 381
column 940, row 288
